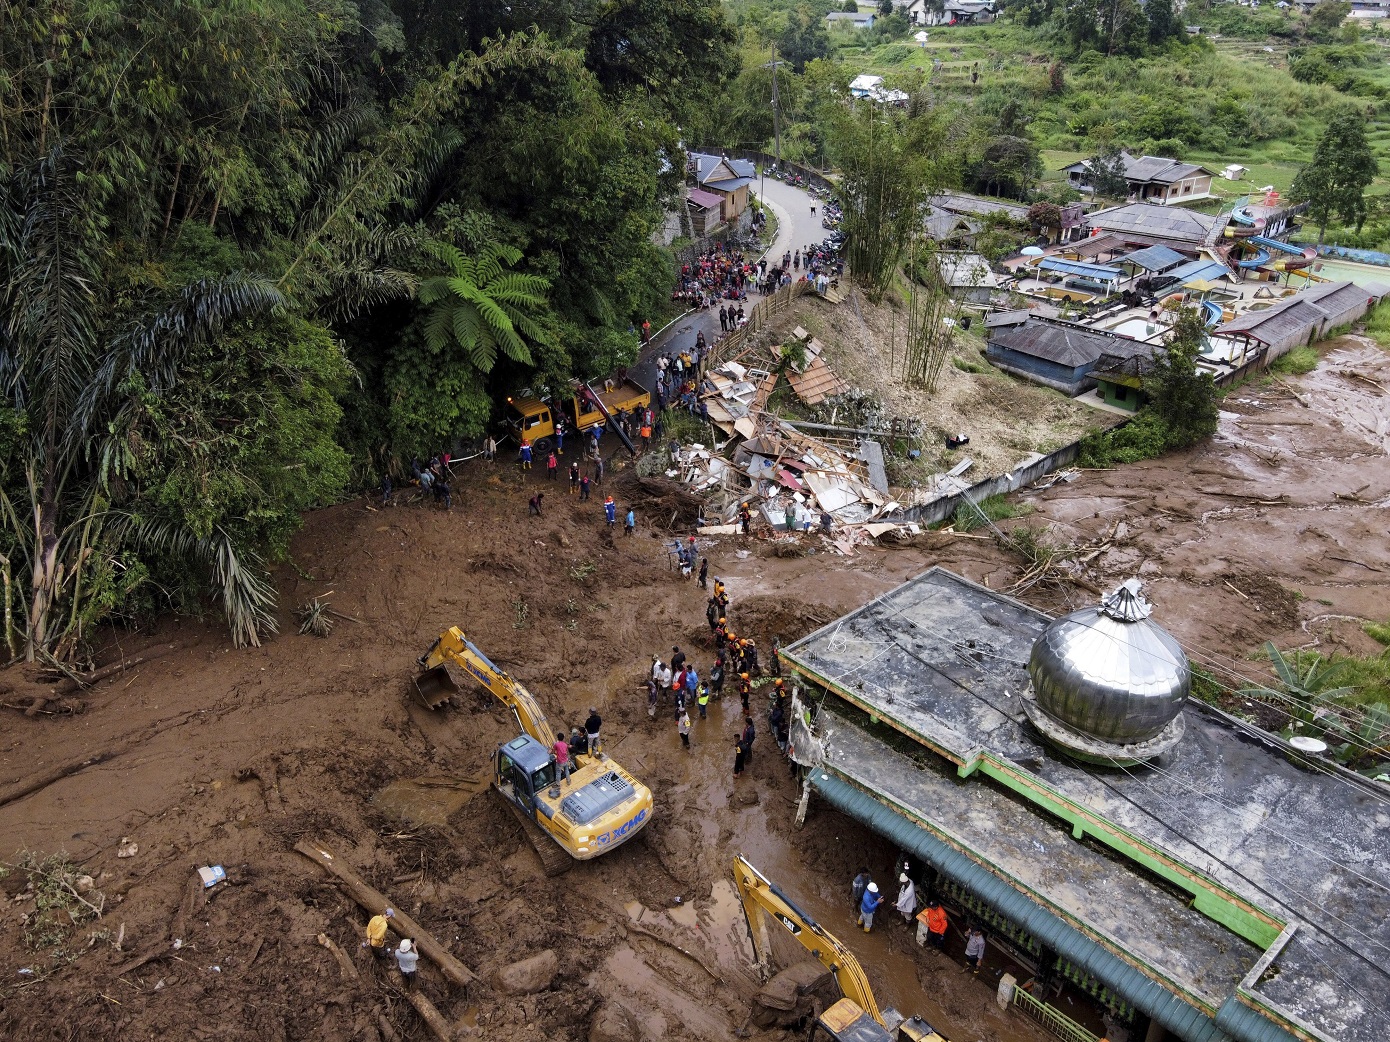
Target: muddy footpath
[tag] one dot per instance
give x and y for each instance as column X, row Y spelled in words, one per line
column 199, row 754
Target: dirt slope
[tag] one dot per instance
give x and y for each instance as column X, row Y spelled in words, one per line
column 214, row 755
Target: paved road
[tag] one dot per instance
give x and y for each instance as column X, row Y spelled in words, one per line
column 795, row 229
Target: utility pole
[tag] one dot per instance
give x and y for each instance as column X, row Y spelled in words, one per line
column 776, row 109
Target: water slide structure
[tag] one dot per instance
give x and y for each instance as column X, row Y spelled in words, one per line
column 1211, row 312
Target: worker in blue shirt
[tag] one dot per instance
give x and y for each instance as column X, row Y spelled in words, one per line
column 630, row 525
column 868, row 906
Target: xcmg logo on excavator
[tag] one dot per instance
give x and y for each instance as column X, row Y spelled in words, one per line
column 622, row 832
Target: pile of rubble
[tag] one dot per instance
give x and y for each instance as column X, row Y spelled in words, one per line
column 795, row 481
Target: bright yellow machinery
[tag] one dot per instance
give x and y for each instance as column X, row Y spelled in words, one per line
column 596, row 809
column 856, row 1017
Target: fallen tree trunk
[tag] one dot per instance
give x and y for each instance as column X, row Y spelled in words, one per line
column 27, row 788
column 430, row 1015
column 373, row 901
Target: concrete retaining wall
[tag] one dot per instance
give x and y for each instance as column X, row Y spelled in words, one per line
column 941, row 509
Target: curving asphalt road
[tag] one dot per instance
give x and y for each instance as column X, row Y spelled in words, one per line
column 796, row 229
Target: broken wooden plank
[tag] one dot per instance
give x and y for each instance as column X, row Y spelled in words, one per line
column 374, row 901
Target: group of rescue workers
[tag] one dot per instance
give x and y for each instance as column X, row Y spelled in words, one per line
column 932, row 921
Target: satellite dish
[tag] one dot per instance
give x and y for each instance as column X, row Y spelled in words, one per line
column 1308, row 745
column 1032, row 251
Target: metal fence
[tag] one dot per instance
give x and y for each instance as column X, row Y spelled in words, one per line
column 1051, row 1019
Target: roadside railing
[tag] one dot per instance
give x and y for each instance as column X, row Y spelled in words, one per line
column 1051, row 1019
column 733, row 344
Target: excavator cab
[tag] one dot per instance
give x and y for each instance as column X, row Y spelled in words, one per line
column 523, row 770
column 846, row 1022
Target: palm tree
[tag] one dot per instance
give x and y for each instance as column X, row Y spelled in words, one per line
column 480, row 306
column 64, row 376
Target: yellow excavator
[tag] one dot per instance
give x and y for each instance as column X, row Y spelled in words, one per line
column 596, row 809
column 857, row 1016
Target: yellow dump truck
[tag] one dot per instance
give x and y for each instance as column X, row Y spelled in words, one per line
column 534, row 418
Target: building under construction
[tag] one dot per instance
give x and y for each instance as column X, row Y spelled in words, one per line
column 1201, row 879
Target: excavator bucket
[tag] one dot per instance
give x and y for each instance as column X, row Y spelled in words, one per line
column 435, row 687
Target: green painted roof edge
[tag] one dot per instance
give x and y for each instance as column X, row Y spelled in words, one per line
column 1147, row 995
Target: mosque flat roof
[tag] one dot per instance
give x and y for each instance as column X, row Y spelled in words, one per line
column 1268, row 839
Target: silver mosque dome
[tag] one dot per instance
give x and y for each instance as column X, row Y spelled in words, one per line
column 1112, row 676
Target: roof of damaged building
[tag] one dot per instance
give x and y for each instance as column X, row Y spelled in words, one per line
column 1297, row 860
column 1063, row 343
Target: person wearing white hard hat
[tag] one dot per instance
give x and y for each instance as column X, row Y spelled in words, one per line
column 907, row 897
column 867, row 907
column 407, row 961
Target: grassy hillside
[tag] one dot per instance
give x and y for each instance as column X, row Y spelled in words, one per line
column 1232, row 99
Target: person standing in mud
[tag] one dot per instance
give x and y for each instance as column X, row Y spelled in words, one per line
column 407, row 961
column 745, row 519
column 740, row 755
column 745, row 688
column 712, row 614
column 868, row 906
column 377, row 926
column 857, row 886
column 703, row 580
column 683, row 728
column 592, row 727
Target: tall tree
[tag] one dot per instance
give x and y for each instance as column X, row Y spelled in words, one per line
column 1163, row 24
column 1106, row 174
column 891, row 163
column 1334, row 183
column 1183, row 396
column 480, row 307
column 1327, row 17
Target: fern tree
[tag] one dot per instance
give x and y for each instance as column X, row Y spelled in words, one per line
column 477, row 314
column 480, row 307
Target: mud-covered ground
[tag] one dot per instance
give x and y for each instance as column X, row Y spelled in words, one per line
column 203, row 754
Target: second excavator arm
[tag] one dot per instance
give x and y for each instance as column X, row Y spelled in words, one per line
column 454, row 648
column 759, row 894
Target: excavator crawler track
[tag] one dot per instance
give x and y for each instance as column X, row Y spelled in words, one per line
column 554, row 858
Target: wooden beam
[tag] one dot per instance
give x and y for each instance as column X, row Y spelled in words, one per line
column 374, row 901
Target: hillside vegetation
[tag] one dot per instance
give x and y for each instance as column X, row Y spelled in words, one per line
column 1260, row 93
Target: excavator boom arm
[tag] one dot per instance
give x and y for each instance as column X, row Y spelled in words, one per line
column 758, row 895
column 454, row 648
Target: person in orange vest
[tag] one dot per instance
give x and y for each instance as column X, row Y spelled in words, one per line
column 932, row 924
column 646, row 434
column 745, row 688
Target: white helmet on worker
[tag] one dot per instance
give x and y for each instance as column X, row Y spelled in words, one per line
column 902, row 878
column 873, row 888
column 405, row 945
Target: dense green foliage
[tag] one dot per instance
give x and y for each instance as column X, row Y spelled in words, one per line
column 1334, row 183
column 253, row 251
column 1181, row 410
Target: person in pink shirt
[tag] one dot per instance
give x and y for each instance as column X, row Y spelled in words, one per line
column 563, row 764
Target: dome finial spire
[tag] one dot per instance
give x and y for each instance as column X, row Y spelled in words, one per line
column 1125, row 603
